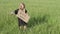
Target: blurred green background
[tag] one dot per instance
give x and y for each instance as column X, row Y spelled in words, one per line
column 45, row 17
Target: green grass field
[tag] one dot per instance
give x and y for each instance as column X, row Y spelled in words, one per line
column 45, row 17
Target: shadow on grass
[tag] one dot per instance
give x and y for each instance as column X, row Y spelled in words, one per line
column 38, row 20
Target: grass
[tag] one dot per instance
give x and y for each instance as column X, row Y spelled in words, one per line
column 45, row 17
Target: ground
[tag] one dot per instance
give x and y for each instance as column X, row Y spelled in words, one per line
column 45, row 17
